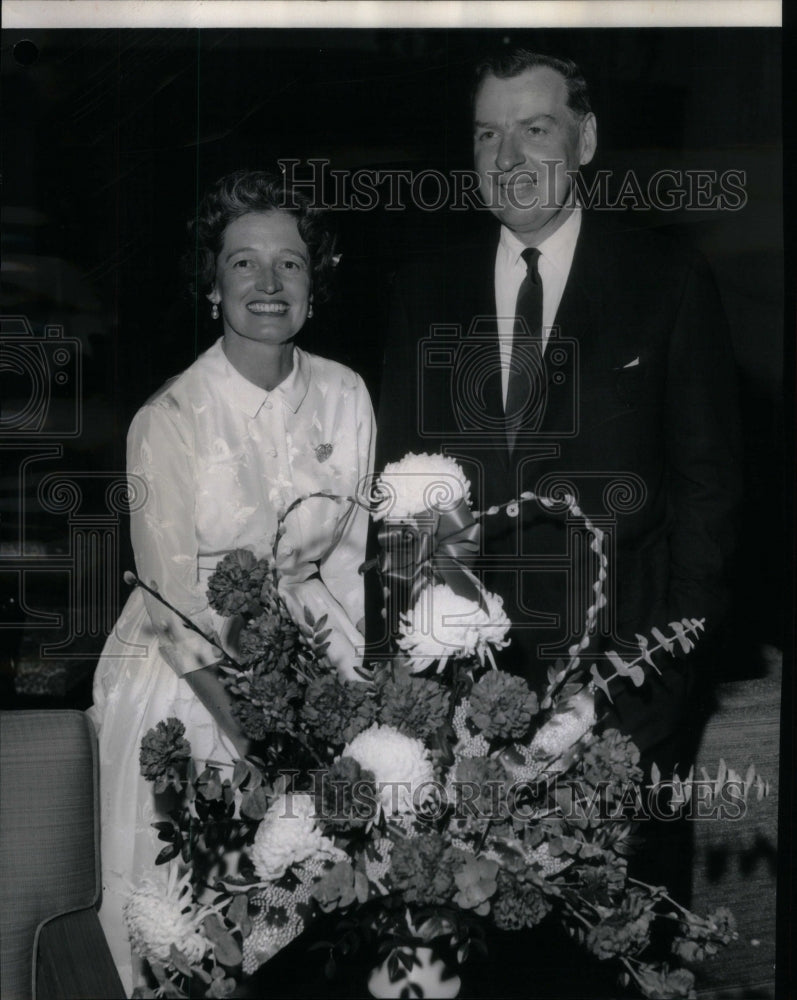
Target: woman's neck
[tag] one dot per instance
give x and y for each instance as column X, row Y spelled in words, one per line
column 266, row 365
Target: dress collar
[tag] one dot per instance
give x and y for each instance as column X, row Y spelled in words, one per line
column 250, row 397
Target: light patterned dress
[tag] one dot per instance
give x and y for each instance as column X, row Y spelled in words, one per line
column 213, row 460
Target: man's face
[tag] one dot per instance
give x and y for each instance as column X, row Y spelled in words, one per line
column 525, row 140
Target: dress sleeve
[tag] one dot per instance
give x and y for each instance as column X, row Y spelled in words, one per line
column 163, row 533
column 333, row 585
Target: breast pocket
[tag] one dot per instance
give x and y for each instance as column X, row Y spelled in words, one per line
column 610, row 393
column 629, row 385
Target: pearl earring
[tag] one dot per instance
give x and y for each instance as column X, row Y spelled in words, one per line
column 214, row 311
column 310, row 311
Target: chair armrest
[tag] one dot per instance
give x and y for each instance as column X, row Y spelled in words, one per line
column 73, row 961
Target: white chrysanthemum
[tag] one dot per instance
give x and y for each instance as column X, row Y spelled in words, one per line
column 287, row 835
column 159, row 916
column 420, row 483
column 444, row 626
column 400, row 764
column 562, row 731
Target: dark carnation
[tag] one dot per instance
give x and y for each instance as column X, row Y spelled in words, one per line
column 236, row 583
column 700, row 938
column 335, row 710
column 722, row 925
column 253, row 720
column 612, row 759
column 423, row 869
column 518, row 904
column 272, row 639
column 480, row 784
column 413, row 705
column 346, row 795
column 163, row 755
column 270, row 707
column 502, row 706
column 602, row 882
column 624, row 932
column 667, row 984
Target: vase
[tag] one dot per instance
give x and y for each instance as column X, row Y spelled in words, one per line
column 427, row 976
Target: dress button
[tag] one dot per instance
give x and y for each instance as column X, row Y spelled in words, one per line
column 273, row 453
column 267, row 404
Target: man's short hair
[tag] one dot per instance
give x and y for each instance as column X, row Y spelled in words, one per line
column 507, row 63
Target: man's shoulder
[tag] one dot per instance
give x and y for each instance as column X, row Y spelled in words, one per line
column 617, row 241
column 449, row 259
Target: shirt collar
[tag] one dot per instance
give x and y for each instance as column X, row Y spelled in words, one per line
column 250, row 397
column 558, row 248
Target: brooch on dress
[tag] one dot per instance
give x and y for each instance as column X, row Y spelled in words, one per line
column 323, row 451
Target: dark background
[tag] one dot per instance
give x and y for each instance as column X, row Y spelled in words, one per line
column 111, row 135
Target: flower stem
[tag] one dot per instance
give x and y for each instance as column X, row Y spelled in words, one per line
column 136, row 581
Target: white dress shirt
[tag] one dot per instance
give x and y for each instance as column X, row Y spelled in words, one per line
column 556, row 258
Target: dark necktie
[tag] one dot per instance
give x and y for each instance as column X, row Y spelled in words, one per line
column 525, row 397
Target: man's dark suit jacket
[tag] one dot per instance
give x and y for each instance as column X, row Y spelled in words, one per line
column 638, row 413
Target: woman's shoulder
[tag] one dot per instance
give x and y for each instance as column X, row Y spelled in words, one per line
column 178, row 390
column 175, row 398
column 332, row 373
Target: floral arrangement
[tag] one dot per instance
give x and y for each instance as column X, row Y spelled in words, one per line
column 434, row 795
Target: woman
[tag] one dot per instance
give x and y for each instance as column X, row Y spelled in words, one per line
column 214, row 457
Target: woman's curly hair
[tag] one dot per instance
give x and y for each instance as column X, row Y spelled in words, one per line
column 245, row 191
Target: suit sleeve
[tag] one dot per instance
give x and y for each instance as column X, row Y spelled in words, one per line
column 703, row 444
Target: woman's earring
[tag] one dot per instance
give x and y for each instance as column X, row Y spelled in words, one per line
column 310, row 311
column 214, row 311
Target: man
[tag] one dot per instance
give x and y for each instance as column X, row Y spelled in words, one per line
column 595, row 363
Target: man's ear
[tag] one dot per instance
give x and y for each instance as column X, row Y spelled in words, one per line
column 588, row 138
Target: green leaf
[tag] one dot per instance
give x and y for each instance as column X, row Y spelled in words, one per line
column 637, row 675
column 407, row 958
column 225, row 947
column 308, row 617
column 168, row 852
column 662, row 639
column 361, row 887
column 253, row 803
column 240, row 771
column 394, row 973
column 617, row 662
column 238, row 913
column 180, row 962
column 209, row 784
column 159, row 972
column 321, row 622
column 599, row 681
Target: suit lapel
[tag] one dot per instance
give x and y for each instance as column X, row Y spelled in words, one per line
column 480, row 340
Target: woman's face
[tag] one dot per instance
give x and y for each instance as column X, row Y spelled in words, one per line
column 263, row 278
